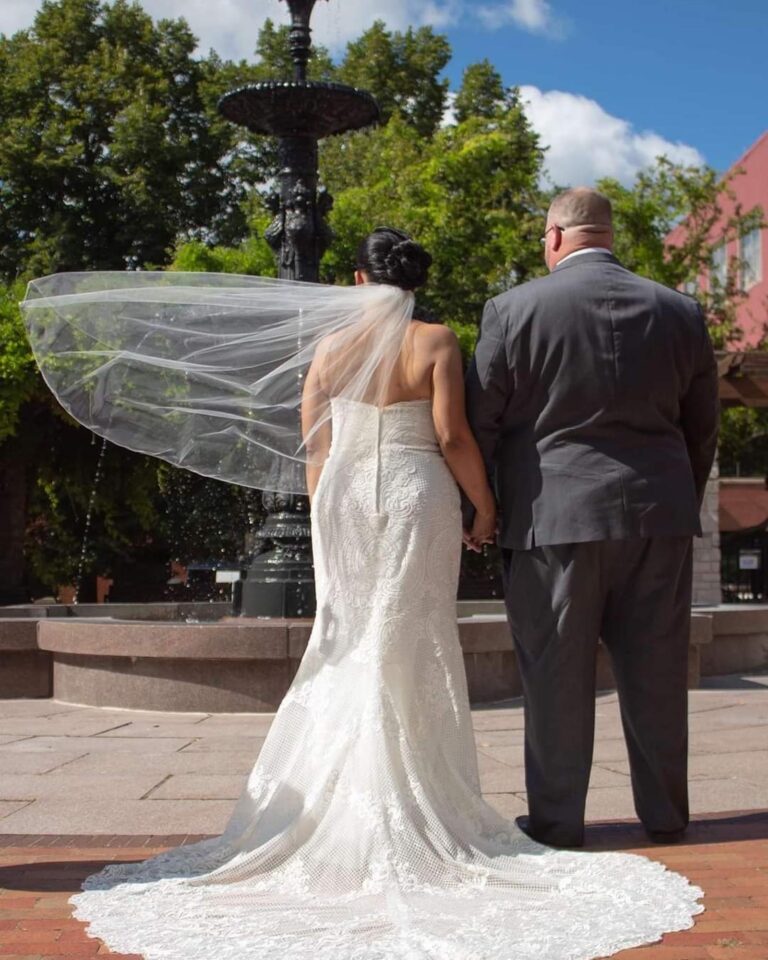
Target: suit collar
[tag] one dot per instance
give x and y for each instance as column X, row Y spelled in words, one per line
column 594, row 256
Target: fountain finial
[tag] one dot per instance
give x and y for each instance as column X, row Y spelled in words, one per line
column 300, row 36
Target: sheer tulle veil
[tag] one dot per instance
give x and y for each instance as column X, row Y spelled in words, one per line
column 208, row 371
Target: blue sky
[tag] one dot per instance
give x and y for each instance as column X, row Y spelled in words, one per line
column 609, row 83
column 691, row 70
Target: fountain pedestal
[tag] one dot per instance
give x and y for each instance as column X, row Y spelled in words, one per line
column 279, row 581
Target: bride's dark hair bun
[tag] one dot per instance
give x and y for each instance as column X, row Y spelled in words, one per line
column 391, row 256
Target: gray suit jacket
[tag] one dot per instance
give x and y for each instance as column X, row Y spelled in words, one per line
column 593, row 396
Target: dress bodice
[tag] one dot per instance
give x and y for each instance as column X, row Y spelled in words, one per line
column 363, row 427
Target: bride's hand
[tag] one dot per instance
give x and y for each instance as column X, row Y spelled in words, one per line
column 483, row 530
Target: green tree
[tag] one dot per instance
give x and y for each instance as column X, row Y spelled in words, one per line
column 481, row 93
column 19, row 383
column 469, row 194
column 402, row 70
column 252, row 256
column 110, row 145
column 743, row 446
column 19, row 379
column 111, row 149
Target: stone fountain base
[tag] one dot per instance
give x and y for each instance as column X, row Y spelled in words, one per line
column 246, row 665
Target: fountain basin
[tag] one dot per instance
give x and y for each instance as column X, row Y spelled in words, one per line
column 246, row 665
column 299, row 108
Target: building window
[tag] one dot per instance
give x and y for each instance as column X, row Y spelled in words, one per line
column 719, row 274
column 750, row 259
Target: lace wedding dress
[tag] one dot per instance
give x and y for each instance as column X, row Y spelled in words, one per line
column 361, row 833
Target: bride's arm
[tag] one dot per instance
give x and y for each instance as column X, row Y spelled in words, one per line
column 315, row 424
column 456, row 440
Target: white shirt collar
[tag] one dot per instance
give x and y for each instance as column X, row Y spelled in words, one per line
column 577, row 253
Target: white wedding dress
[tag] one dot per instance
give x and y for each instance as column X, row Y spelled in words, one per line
column 361, row 833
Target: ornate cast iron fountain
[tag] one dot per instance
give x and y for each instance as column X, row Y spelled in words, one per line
column 299, row 112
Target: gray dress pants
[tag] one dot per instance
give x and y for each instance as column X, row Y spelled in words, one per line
column 636, row 596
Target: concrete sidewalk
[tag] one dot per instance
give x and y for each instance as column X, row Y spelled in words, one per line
column 83, row 771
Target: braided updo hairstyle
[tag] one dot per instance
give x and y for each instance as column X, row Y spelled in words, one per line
column 390, row 256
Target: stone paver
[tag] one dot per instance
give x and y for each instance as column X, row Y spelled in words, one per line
column 35, row 787
column 192, row 786
column 235, row 742
column 98, row 765
column 78, row 769
column 11, row 806
column 36, row 762
column 105, row 814
column 60, row 726
column 82, row 745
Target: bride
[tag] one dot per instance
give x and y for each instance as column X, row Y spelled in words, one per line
column 361, row 833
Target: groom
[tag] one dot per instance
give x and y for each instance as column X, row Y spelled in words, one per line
column 593, row 396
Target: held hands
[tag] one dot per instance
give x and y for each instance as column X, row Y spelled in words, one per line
column 482, row 531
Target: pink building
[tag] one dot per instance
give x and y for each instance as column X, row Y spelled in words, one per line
column 751, row 190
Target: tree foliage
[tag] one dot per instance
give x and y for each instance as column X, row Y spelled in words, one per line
column 743, row 445
column 19, row 378
column 469, row 194
column 402, row 70
column 481, row 93
column 111, row 150
column 110, row 144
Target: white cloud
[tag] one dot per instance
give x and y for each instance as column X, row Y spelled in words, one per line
column 336, row 22
column 586, row 142
column 535, row 16
column 440, row 15
column 231, row 27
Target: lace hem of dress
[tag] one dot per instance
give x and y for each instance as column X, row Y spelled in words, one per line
column 602, row 903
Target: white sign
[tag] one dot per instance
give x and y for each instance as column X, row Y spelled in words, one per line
column 227, row 576
column 749, row 560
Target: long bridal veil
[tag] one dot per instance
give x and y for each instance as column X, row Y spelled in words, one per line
column 207, row 371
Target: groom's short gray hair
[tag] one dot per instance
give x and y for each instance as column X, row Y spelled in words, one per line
column 581, row 206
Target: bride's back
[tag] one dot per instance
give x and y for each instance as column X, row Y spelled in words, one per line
column 406, row 377
column 411, row 378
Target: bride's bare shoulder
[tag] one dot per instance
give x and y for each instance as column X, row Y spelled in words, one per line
column 434, row 336
column 328, row 342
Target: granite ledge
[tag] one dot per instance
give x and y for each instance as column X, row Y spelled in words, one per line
column 244, row 640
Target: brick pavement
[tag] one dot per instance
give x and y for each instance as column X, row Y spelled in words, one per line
column 726, row 854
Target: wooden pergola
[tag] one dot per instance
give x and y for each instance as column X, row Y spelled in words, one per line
column 743, row 378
